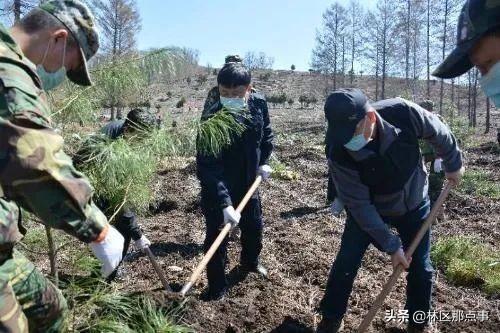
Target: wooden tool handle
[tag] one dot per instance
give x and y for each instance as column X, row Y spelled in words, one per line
column 379, row 301
column 157, row 269
column 218, row 241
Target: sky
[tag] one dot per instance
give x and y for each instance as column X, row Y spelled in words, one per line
column 283, row 29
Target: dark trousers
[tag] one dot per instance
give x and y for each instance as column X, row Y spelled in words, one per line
column 125, row 222
column 251, row 240
column 126, row 225
column 331, row 192
column 352, row 249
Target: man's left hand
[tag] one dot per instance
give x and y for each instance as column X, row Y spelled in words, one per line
column 455, row 177
column 265, row 171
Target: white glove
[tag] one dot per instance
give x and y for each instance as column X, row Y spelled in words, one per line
column 231, row 215
column 337, row 207
column 109, row 251
column 142, row 243
column 265, row 171
column 438, row 165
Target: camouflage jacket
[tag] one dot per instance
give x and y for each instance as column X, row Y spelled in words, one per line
column 35, row 173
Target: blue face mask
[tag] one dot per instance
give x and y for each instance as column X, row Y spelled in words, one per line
column 490, row 83
column 51, row 80
column 358, row 141
column 233, row 104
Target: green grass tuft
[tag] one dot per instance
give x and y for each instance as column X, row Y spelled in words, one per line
column 99, row 307
column 280, row 170
column 467, row 262
column 480, row 183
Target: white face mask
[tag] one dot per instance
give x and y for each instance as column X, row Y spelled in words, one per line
column 233, row 104
column 52, row 80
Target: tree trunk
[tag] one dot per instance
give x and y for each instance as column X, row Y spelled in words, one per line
column 343, row 60
column 353, row 48
column 428, row 49
column 17, row 10
column 445, row 33
column 407, row 42
column 377, row 70
column 488, row 108
column 52, row 255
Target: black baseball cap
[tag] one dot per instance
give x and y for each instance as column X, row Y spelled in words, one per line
column 478, row 17
column 344, row 109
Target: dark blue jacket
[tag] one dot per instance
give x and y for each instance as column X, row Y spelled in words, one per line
column 225, row 178
column 393, row 180
column 114, row 129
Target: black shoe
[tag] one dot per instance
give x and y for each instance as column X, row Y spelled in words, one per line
column 259, row 269
column 214, row 295
column 330, row 326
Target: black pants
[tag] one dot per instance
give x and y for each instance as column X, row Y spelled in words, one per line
column 125, row 223
column 251, row 240
column 331, row 193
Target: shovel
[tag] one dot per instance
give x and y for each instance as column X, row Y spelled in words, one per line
column 201, row 266
column 379, row 301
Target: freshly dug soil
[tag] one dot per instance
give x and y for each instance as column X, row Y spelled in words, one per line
column 301, row 240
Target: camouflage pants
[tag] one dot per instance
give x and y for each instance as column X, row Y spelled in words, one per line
column 29, row 302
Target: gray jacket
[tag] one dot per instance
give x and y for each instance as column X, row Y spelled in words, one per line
column 368, row 209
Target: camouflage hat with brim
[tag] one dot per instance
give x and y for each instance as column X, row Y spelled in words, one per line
column 77, row 17
column 478, row 17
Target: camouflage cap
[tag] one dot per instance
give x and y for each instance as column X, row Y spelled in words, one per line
column 76, row 16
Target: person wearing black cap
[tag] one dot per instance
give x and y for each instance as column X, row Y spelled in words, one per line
column 478, row 44
column 380, row 176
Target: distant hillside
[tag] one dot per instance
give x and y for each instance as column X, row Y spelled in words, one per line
column 294, row 84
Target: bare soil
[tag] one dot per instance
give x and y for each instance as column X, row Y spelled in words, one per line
column 301, row 240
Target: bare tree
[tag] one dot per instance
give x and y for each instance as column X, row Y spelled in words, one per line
column 120, row 22
column 355, row 12
column 253, row 60
column 329, row 53
column 385, row 11
column 14, row 9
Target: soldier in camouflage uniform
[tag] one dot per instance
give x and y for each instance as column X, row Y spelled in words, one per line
column 213, row 95
column 48, row 44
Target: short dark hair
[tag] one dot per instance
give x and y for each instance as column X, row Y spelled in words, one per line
column 234, row 75
column 38, row 19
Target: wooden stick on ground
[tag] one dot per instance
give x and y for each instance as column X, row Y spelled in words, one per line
column 157, row 268
column 218, row 241
column 379, row 301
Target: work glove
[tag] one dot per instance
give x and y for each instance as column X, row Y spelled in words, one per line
column 109, row 251
column 231, row 215
column 142, row 243
column 337, row 207
column 438, row 165
column 265, row 171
